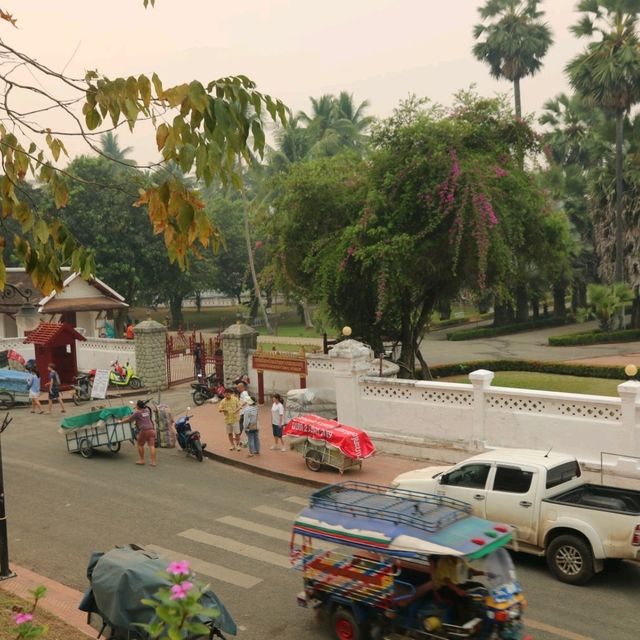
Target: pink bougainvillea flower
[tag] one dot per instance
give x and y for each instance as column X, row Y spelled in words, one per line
column 21, row 618
column 179, row 568
column 180, row 591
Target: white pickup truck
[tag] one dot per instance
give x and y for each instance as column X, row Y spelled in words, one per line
column 574, row 524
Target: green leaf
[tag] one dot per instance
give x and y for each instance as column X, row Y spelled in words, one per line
column 93, row 119
column 162, row 133
column 157, row 85
column 186, row 157
column 198, row 96
column 41, row 231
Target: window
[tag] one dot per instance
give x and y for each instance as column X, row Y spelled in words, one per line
column 563, row 473
column 512, row 480
column 473, row 476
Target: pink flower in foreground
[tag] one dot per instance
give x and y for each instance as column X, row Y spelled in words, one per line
column 179, row 568
column 21, row 618
column 180, row 591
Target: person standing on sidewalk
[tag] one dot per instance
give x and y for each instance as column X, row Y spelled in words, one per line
column 244, row 398
column 251, row 427
column 146, row 431
column 33, row 384
column 54, row 388
column 277, row 421
column 230, row 406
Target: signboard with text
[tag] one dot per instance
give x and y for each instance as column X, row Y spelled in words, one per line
column 279, row 361
column 100, row 384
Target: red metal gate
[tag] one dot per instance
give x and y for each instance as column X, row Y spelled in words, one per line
column 182, row 363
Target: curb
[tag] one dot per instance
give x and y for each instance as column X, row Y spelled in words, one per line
column 270, row 473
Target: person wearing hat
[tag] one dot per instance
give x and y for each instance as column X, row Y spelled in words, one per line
column 251, row 427
column 146, row 431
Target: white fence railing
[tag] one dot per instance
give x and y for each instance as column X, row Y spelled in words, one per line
column 99, row 353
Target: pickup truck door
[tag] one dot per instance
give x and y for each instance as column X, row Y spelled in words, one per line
column 467, row 482
column 512, row 499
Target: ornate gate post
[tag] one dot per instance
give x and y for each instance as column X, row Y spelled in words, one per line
column 151, row 354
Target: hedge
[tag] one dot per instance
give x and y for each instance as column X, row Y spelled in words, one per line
column 594, row 337
column 561, row 368
column 489, row 332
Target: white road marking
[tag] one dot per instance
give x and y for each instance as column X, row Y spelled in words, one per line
column 271, row 532
column 276, row 513
column 208, row 569
column 303, row 502
column 246, row 550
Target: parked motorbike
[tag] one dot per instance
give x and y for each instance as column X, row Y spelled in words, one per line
column 120, row 376
column 82, row 388
column 188, row 439
column 205, row 390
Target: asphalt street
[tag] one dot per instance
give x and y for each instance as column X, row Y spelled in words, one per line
column 235, row 528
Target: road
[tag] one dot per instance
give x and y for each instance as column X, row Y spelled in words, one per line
column 234, row 526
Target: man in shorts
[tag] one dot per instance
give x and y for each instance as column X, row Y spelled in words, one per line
column 230, row 406
column 146, row 431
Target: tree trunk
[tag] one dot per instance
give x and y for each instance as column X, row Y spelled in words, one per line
column 635, row 311
column 619, row 267
column 516, row 97
column 252, row 266
column 535, row 307
column 559, row 310
column 308, row 322
column 175, row 305
column 501, row 313
column 522, row 304
column 444, row 309
column 426, row 372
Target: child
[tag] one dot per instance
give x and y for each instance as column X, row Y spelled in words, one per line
column 33, row 384
column 54, row 388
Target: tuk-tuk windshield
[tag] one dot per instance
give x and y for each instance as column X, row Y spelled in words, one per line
column 499, row 575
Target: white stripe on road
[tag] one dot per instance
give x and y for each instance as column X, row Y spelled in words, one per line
column 271, row 532
column 276, row 513
column 246, row 550
column 562, row 633
column 212, row 570
column 304, row 502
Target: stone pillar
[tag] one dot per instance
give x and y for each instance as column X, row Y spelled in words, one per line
column 351, row 360
column 629, row 393
column 237, row 341
column 151, row 354
column 481, row 381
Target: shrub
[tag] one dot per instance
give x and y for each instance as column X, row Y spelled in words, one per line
column 594, row 337
column 489, row 332
column 561, row 368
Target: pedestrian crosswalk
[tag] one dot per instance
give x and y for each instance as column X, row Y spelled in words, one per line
column 234, row 540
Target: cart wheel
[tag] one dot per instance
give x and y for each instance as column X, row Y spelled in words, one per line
column 114, row 447
column 6, row 400
column 76, row 399
column 135, row 383
column 86, row 450
column 313, row 460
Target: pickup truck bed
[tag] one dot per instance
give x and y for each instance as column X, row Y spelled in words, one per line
column 593, row 496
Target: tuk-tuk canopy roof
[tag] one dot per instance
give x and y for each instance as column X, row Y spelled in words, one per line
column 398, row 522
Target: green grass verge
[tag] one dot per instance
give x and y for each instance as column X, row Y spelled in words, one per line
column 489, row 332
column 548, row 382
column 594, row 337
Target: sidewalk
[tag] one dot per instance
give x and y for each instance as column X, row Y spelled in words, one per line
column 63, row 601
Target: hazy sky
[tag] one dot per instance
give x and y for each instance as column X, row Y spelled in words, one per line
column 380, row 50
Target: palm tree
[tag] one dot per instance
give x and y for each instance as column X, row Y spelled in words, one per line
column 112, row 149
column 607, row 74
column 515, row 41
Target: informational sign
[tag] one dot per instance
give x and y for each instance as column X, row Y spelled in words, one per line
column 100, row 384
column 278, row 361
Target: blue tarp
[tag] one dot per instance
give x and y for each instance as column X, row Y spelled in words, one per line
column 14, row 381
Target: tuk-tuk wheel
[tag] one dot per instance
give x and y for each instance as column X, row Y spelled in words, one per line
column 114, row 447
column 86, row 450
column 313, row 460
column 345, row 626
column 6, row 400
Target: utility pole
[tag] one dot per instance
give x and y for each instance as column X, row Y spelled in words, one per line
column 5, row 571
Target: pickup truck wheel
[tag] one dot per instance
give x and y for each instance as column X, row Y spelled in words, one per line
column 570, row 559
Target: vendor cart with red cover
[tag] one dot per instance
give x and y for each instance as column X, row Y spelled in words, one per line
column 327, row 442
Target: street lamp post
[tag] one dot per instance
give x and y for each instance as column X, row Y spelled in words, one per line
column 5, row 571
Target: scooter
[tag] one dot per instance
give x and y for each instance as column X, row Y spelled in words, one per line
column 212, row 387
column 82, row 388
column 188, row 439
column 120, row 376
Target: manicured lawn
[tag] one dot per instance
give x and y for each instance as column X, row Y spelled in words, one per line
column 549, row 382
column 58, row 630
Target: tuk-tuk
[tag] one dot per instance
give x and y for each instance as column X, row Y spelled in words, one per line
column 395, row 565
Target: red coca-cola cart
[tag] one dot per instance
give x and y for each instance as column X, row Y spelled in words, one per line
column 327, row 442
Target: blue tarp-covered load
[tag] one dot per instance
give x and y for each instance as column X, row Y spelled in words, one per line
column 14, row 381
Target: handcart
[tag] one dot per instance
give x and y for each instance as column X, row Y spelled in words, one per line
column 13, row 388
column 101, row 428
column 327, row 442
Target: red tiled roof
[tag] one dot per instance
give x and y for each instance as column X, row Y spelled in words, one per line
column 45, row 332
